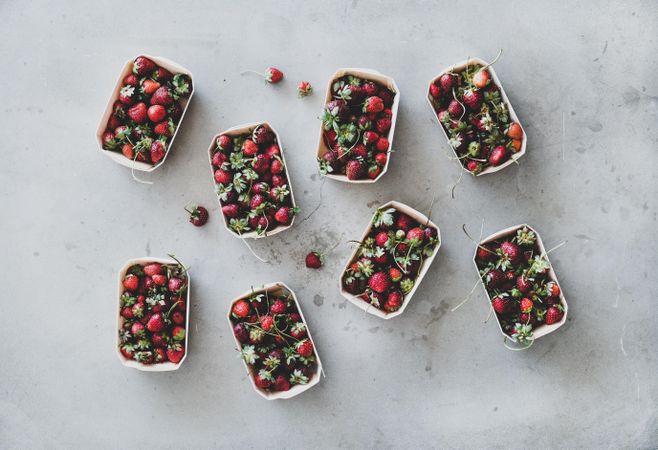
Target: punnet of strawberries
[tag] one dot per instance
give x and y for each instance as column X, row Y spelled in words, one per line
column 274, row 341
column 147, row 113
column 388, row 261
column 251, row 181
column 518, row 281
column 476, row 118
column 356, row 124
column 153, row 313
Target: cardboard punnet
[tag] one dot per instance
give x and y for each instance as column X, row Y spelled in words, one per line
column 236, row 131
column 543, row 329
column 420, row 218
column 279, row 288
column 366, row 74
column 160, row 367
column 459, row 67
column 118, row 157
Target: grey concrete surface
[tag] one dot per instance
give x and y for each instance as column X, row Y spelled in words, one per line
column 582, row 77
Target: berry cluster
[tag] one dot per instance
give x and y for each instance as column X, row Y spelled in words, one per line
column 476, row 118
column 251, row 181
column 148, row 110
column 356, row 124
column 274, row 341
column 517, row 277
column 153, row 313
column 388, row 261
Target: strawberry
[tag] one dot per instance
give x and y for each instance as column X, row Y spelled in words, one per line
column 485, row 253
column 127, row 312
column 163, row 128
column 157, row 151
column 150, row 86
column 501, row 305
column 305, row 348
column 231, row 210
column 224, row 142
column 281, row 384
column 515, row 131
column 526, row 305
column 223, row 176
column 127, row 95
column 355, row 169
column 262, row 135
column 553, row 315
column 553, row 289
column 447, row 82
column 284, row 215
column 156, row 113
column 273, row 75
column 159, row 279
column 162, row 74
column 511, row 251
column 131, row 282
column 178, row 318
column 381, row 238
column 373, row 104
column 374, row 172
column 393, row 301
column 313, row 260
column 473, row 99
column 131, row 80
column 474, row 167
column 273, row 151
column 276, row 167
column 127, row 151
column 435, row 90
column 403, row 222
column 162, row 96
column 481, row 78
column 198, row 215
column 263, row 379
column 175, row 284
column 138, row 113
column 494, row 278
column 370, row 137
column 395, row 274
column 370, row 88
column 455, row 109
column 379, row 282
column 383, row 125
column 498, row 156
column 382, row 144
column 137, row 329
column 381, row 158
column 304, row 88
column 415, row 236
column 175, row 353
column 240, row 332
column 156, row 323
column 278, row 307
column 266, row 322
column 142, row 66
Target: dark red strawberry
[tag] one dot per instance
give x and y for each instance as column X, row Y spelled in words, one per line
column 502, row 305
column 355, row 169
column 447, row 82
column 455, row 109
column 281, row 384
column 262, row 135
column 383, row 125
column 198, row 215
column 494, row 278
column 511, row 251
column 218, row 159
column 241, row 333
column 278, row 307
column 393, row 301
column 231, row 210
column 370, row 88
column 284, row 215
column 403, row 222
column 157, row 151
column 131, row 80
column 127, row 95
column 163, row 128
column 142, row 66
column 162, row 74
column 162, row 96
column 313, row 260
column 498, row 156
column 138, row 113
column 435, row 90
column 263, row 379
column 373, row 104
column 523, row 284
column 223, row 176
column 273, row 151
column 553, row 315
column 178, row 318
column 473, row 99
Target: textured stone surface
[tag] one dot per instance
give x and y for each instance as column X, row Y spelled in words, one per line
column 582, row 79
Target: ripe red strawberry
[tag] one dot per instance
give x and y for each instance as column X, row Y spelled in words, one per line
column 498, row 156
column 553, row 315
column 373, row 104
column 137, row 329
column 159, row 279
column 157, row 151
column 162, row 128
column 305, row 348
column 278, row 307
column 382, row 144
column 523, row 284
column 313, row 260
column 355, row 169
column 150, row 86
column 370, row 88
column 162, row 74
column 395, row 274
column 379, row 282
column 276, row 166
column 386, row 96
column 403, row 222
column 455, row 109
column 266, row 322
column 131, row 80
column 273, row 75
column 249, row 147
column 175, row 353
column 142, row 66
column 383, row 125
column 175, row 284
column 178, row 318
column 381, row 158
column 284, row 215
column 304, row 88
column 261, row 381
column 501, row 305
column 127, row 95
column 231, row 210
column 261, row 163
column 138, row 113
column 435, row 91
column 156, row 323
column 374, row 171
column 198, row 215
column 393, row 301
column 127, row 151
column 131, row 282
column 240, row 332
column 485, row 253
column 381, row 238
column 415, row 236
column 281, row 384
column 162, row 96
column 223, row 176
column 473, row 99
column 272, row 151
column 494, row 278
column 481, row 78
column 152, row 269
column 127, row 312
column 360, row 150
column 370, row 137
column 474, row 167
column 156, row 113
column 511, row 250
column 526, row 305
column 515, row 131
column 224, row 142
column 447, row 82
column 256, row 201
column 553, row 289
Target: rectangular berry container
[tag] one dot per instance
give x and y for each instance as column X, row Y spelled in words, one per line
column 459, row 67
column 543, row 329
column 359, row 303
column 366, row 74
column 127, row 68
column 162, row 367
column 278, row 288
column 236, row 131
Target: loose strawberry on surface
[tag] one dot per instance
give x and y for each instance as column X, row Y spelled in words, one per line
column 147, row 113
column 517, row 278
column 251, row 181
column 152, row 310
column 273, row 341
column 388, row 261
column 356, row 124
column 470, row 107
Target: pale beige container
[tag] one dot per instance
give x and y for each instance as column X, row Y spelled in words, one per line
column 459, row 67
column 118, row 157
column 276, row 289
column 236, row 131
column 420, row 218
column 543, row 329
column 372, row 75
column 161, row 367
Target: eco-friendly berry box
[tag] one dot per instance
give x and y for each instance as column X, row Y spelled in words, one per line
column 278, row 288
column 157, row 367
column 543, row 329
column 369, row 75
column 119, row 158
column 360, row 303
column 237, row 131
column 458, row 68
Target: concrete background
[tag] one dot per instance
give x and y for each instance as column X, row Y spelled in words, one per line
column 582, row 79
